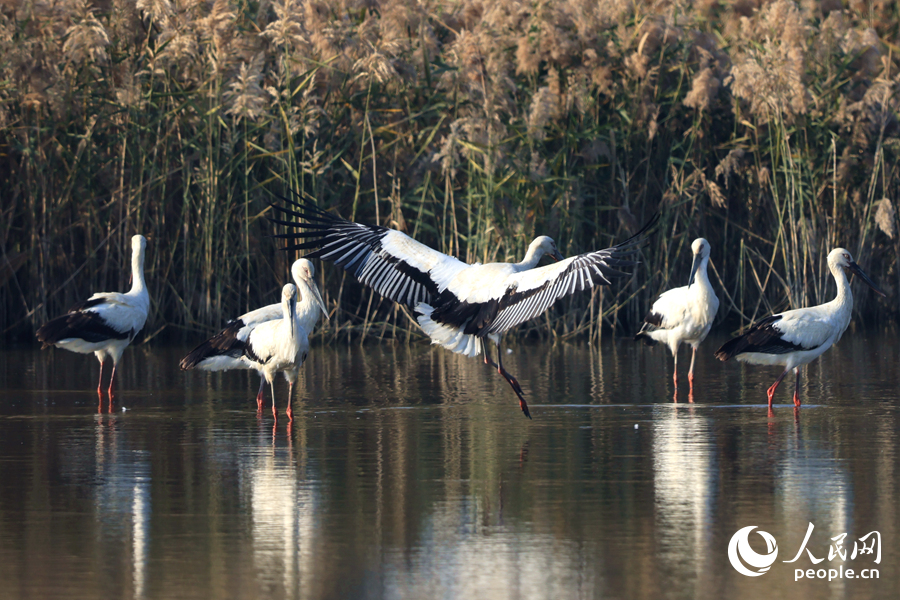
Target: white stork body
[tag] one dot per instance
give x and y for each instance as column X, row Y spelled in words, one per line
column 225, row 350
column 106, row 322
column 455, row 303
column 279, row 345
column 797, row 337
column 684, row 314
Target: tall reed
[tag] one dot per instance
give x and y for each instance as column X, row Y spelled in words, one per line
column 770, row 128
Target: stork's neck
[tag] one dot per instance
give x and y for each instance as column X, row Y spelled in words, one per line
column 701, row 278
column 534, row 254
column 844, row 295
column 138, row 286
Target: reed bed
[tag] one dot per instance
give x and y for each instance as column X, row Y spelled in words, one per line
column 770, row 128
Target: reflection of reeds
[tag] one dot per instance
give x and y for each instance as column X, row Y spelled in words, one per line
column 772, row 131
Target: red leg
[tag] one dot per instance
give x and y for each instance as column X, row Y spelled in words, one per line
column 797, row 387
column 290, row 410
column 112, row 380
column 274, row 410
column 259, row 395
column 506, row 375
column 675, row 368
column 771, row 391
column 100, row 382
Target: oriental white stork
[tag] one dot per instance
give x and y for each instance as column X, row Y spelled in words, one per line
column 225, row 350
column 797, row 337
column 684, row 314
column 456, row 304
column 106, row 322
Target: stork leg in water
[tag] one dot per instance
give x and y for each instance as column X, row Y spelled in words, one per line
column 771, row 391
column 112, row 378
column 100, row 382
column 274, row 410
column 259, row 395
column 506, row 375
column 290, row 409
column 691, row 376
column 797, row 387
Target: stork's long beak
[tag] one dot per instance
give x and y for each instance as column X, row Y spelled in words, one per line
column 556, row 255
column 694, row 266
column 317, row 296
column 856, row 270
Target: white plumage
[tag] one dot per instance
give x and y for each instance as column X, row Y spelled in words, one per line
column 278, row 345
column 684, row 314
column 106, row 322
column 226, row 350
column 455, row 303
column 797, row 337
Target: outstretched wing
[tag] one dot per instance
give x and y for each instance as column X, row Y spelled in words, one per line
column 390, row 262
column 531, row 292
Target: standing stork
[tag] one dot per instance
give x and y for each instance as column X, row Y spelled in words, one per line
column 456, row 304
column 797, row 337
column 683, row 314
column 272, row 346
column 225, row 350
column 106, row 322
column 279, row 345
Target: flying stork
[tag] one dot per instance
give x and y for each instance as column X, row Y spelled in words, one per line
column 226, row 350
column 106, row 322
column 797, row 337
column 683, row 314
column 456, row 304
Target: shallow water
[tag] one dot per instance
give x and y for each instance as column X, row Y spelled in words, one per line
column 410, row 472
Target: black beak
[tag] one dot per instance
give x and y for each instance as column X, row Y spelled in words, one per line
column 555, row 255
column 694, row 266
column 856, row 270
column 293, row 306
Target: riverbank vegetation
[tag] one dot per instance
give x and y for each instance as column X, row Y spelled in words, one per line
column 770, row 128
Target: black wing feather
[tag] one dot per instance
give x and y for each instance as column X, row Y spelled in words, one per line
column 87, row 326
column 763, row 338
column 357, row 248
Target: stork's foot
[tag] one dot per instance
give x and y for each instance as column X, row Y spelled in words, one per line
column 770, row 393
column 796, row 399
column 259, row 402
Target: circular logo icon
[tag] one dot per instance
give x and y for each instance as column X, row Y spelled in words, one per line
column 740, row 552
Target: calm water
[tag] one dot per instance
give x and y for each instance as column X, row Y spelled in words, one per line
column 409, row 472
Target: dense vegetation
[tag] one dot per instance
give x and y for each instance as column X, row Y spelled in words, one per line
column 770, row 128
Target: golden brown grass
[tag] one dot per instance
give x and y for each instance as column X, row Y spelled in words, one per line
column 770, row 128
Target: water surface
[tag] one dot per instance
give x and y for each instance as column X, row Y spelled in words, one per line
column 410, row 472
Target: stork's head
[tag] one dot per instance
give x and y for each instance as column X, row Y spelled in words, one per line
column 544, row 245
column 840, row 258
column 138, row 246
column 700, row 248
column 138, row 243
column 303, row 270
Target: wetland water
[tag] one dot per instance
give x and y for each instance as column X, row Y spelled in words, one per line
column 410, row 472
